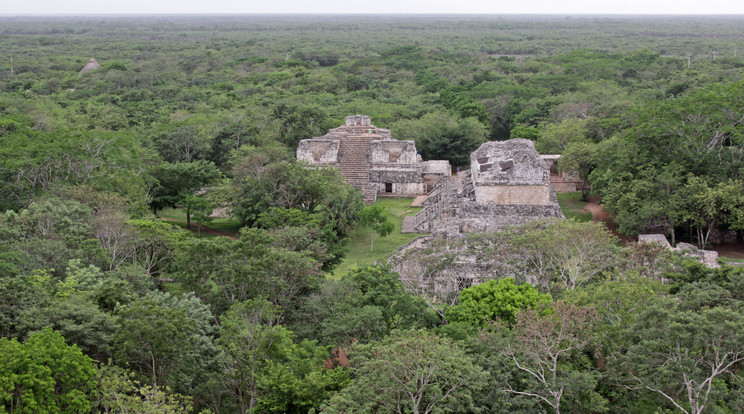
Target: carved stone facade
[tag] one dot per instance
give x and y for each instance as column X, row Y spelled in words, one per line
column 508, row 184
column 372, row 160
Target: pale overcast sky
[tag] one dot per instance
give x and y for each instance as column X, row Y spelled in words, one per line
column 13, row 7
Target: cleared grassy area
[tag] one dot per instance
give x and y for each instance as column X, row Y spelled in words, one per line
column 358, row 246
column 573, row 208
column 177, row 217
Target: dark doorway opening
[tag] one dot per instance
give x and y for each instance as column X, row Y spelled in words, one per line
column 388, row 187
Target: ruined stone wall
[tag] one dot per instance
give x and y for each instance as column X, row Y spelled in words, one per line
column 393, row 152
column 512, row 194
column 318, row 151
column 565, row 187
column 512, row 162
column 395, row 175
column 358, row 120
column 474, row 218
column 401, row 189
column 442, row 168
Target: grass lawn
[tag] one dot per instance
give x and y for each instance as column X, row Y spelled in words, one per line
column 177, row 216
column 573, row 208
column 358, row 247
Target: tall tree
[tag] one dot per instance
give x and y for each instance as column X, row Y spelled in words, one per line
column 44, row 374
column 180, row 182
column 410, row 372
column 681, row 352
column 545, row 347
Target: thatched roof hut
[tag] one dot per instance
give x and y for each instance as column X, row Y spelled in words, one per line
column 91, row 65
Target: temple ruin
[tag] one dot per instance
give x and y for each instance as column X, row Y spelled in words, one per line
column 508, row 184
column 370, row 159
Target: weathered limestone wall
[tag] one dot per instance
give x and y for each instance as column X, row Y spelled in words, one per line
column 512, row 162
column 442, row 168
column 512, row 194
column 508, row 184
column 393, row 152
column 358, row 120
column 473, row 218
column 401, row 189
column 565, row 187
column 395, row 175
column 318, row 151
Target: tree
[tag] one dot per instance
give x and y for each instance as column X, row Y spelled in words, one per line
column 375, row 218
column 300, row 122
column 261, row 184
column 364, row 305
column 544, row 347
column 44, row 374
column 680, row 348
column 119, row 392
column 180, row 182
column 153, row 243
column 440, row 136
column 704, row 205
column 555, row 138
column 410, row 372
column 566, row 252
column 167, row 339
column 223, row 271
column 264, row 369
column 650, row 202
column 578, row 158
column 495, row 300
column 184, row 145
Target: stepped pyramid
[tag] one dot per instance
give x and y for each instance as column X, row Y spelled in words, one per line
column 371, row 160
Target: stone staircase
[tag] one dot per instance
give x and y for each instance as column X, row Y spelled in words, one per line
column 353, row 163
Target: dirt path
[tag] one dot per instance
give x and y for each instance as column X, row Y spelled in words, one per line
column 599, row 214
column 196, row 227
column 730, row 250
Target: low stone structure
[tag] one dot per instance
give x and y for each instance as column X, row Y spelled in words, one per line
column 563, row 182
column 508, row 184
column 372, row 160
column 707, row 257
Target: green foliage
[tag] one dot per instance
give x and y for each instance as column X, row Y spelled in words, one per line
column 364, row 305
column 495, row 300
column 579, row 158
column 440, row 136
column 82, row 158
column 678, row 345
column 168, row 340
column 265, row 369
column 374, row 217
column 565, row 254
column 410, row 371
column 259, row 264
column 119, row 391
column 44, row 374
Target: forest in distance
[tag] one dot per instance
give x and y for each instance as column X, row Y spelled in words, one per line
column 111, row 302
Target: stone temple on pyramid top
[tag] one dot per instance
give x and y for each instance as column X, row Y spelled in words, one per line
column 370, row 159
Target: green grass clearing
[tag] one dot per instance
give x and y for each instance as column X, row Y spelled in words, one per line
column 358, row 246
column 572, row 207
column 177, row 217
column 358, row 252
